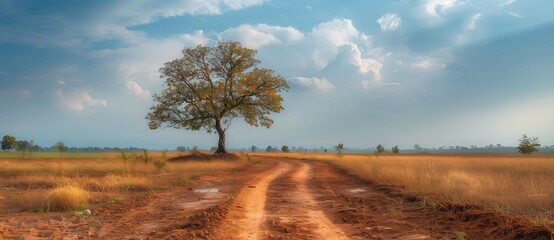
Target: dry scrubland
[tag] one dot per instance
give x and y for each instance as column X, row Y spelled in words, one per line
column 47, row 183
column 513, row 183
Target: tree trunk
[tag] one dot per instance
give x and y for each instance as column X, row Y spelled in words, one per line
column 221, row 133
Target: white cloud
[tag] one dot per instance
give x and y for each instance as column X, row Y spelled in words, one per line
column 137, row 89
column 85, row 26
column 428, row 64
column 321, row 84
column 61, row 82
column 436, row 7
column 260, row 35
column 473, row 21
column 517, row 15
column 77, row 100
column 196, row 38
column 338, row 32
column 366, row 65
column 507, row 2
column 389, row 22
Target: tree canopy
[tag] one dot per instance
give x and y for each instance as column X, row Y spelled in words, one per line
column 209, row 86
column 379, row 149
column 8, row 142
column 528, row 145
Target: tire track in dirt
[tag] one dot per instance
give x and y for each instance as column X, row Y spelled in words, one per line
column 244, row 220
column 294, row 213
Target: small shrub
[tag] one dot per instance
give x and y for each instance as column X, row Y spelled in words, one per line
column 159, row 165
column 67, row 198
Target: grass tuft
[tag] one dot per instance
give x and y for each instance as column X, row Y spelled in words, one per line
column 67, row 198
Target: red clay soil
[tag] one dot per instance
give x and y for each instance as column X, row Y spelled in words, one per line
column 277, row 199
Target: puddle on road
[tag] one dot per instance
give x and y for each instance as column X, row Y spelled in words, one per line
column 207, row 190
column 210, row 198
column 357, row 190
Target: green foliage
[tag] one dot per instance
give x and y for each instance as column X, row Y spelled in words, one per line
column 209, row 86
column 379, row 149
column 395, row 149
column 60, row 147
column 270, row 149
column 528, row 145
column 159, row 165
column 32, row 148
column 285, row 149
column 339, row 148
column 8, row 142
column 145, row 158
column 181, row 149
column 124, row 156
column 22, row 146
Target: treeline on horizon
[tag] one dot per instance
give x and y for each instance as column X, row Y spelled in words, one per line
column 492, row 149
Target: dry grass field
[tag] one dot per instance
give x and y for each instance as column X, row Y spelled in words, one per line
column 48, row 183
column 512, row 183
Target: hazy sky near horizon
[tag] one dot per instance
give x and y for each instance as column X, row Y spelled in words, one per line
column 404, row 72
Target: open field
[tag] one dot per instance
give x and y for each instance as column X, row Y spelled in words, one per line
column 518, row 184
column 258, row 197
column 26, row 183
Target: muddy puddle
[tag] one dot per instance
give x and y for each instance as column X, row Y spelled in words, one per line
column 207, row 190
column 357, row 190
column 209, row 197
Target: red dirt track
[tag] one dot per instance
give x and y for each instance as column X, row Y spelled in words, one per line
column 278, row 199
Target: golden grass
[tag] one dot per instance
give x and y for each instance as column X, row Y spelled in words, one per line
column 514, row 183
column 23, row 181
column 67, row 198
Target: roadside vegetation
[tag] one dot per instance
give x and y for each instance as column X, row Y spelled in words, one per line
column 518, row 184
column 49, row 183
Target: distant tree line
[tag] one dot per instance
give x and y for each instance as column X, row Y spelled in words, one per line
column 27, row 147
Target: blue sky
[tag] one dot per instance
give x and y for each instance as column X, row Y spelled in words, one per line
column 427, row 72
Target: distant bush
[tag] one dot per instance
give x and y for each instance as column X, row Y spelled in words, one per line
column 379, row 149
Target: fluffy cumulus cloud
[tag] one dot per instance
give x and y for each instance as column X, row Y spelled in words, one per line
column 325, row 51
column 321, row 84
column 136, row 89
column 389, row 22
column 77, row 100
column 340, row 36
column 437, row 7
column 260, row 35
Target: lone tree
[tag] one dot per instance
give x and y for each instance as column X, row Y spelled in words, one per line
column 8, row 142
column 339, row 148
column 528, row 145
column 285, row 149
column 60, row 147
column 22, row 146
column 379, row 149
column 395, row 149
column 209, row 86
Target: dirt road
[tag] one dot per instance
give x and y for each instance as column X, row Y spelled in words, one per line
column 280, row 199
